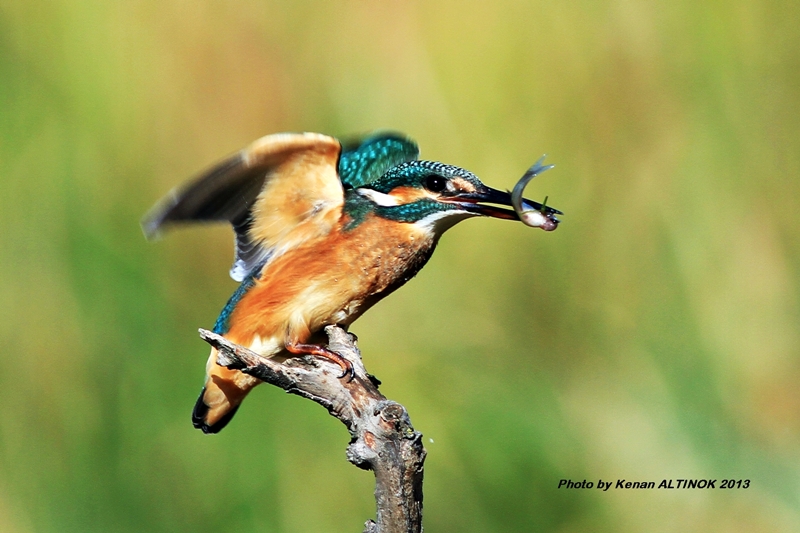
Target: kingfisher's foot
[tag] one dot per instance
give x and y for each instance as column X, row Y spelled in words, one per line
column 321, row 351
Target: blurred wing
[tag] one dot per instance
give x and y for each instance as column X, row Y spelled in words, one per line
column 280, row 191
column 367, row 159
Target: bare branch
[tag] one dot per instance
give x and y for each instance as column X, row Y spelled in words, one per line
column 382, row 438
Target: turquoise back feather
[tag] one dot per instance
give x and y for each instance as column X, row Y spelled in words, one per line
column 365, row 160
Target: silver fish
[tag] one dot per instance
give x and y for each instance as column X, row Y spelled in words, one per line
column 532, row 213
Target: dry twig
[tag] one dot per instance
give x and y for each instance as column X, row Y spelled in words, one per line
column 382, row 439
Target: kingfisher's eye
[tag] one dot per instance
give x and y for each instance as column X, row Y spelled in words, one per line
column 435, row 183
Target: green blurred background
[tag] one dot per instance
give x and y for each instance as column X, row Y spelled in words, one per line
column 654, row 335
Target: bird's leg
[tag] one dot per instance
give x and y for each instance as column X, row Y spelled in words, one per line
column 300, row 348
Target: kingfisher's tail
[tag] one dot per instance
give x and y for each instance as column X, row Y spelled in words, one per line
column 221, row 396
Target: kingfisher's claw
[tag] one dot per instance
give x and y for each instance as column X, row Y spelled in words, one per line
column 347, row 370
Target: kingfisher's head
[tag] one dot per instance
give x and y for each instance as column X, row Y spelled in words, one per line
column 435, row 196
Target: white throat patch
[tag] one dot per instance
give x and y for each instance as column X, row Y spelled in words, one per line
column 378, row 198
column 440, row 221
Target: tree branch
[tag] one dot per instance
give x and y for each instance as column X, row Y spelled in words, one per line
column 382, row 438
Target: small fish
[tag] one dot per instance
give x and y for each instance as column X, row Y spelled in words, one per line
column 532, row 213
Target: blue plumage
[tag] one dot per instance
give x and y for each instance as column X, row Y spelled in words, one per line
column 367, row 159
column 222, row 325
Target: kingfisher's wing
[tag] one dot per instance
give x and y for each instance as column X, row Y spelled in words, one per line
column 278, row 192
column 366, row 159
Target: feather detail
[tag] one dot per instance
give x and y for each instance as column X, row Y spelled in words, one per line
column 280, row 191
column 366, row 159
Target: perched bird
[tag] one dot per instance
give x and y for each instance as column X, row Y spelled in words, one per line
column 324, row 230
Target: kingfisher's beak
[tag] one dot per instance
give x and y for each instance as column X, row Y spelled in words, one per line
column 476, row 203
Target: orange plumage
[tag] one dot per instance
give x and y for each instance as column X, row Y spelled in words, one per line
column 322, row 235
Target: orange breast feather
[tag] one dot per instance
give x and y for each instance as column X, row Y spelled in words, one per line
column 329, row 280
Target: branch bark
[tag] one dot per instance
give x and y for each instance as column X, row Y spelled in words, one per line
column 381, row 436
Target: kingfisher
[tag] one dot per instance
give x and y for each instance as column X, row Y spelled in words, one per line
column 324, row 229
